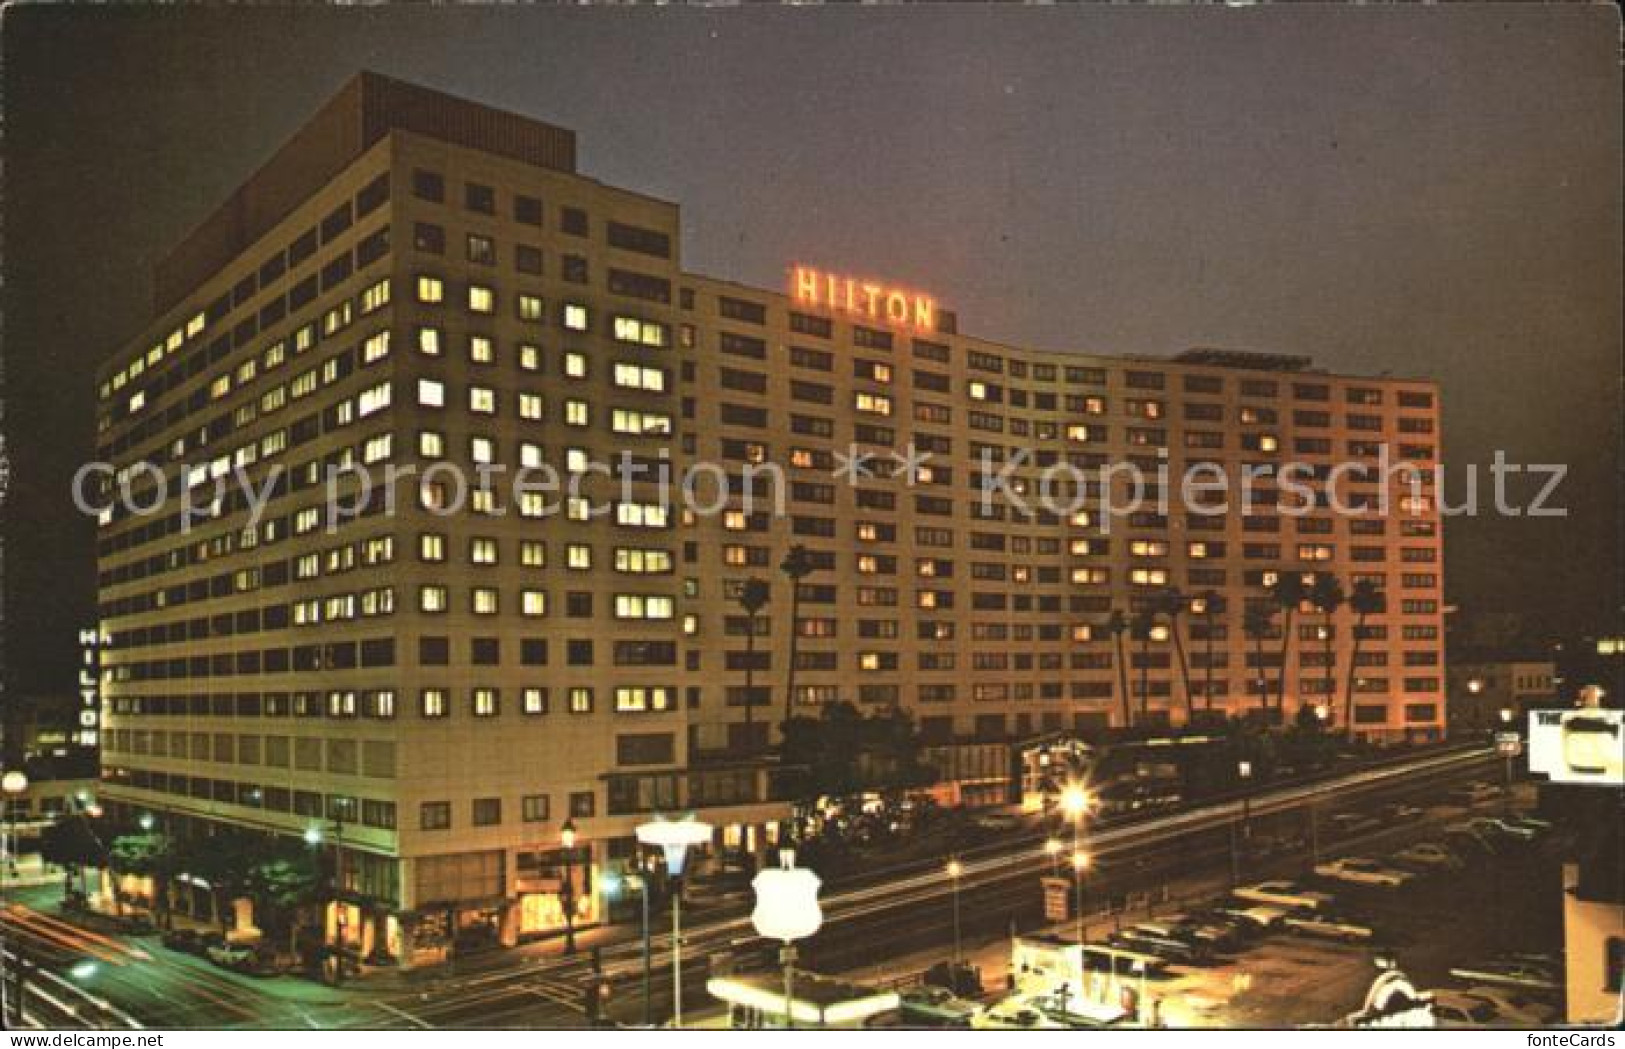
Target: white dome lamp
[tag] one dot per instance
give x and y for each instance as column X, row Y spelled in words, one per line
column 787, row 910
column 674, row 838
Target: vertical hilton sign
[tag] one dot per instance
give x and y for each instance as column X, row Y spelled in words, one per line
column 862, row 298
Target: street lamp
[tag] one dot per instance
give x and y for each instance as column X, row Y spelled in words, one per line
column 1053, row 849
column 13, row 783
column 1080, row 869
column 787, row 910
column 674, row 838
column 954, row 870
column 1507, row 751
column 1076, row 803
column 567, row 891
column 1244, row 772
column 146, row 821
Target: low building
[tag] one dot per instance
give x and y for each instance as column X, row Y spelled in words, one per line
column 1480, row 690
column 1594, row 917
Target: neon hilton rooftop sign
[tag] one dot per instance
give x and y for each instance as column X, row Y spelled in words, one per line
column 862, row 298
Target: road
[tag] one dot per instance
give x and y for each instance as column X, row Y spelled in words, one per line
column 887, row 914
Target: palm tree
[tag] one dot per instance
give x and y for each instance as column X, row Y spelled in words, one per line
column 797, row 565
column 1288, row 593
column 1326, row 594
column 1140, row 628
column 1366, row 599
column 1117, row 624
column 1171, row 603
column 754, row 594
column 1257, row 620
column 1210, row 606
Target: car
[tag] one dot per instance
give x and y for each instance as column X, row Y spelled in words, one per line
column 1176, row 950
column 1510, row 828
column 1511, row 972
column 1068, row 1011
column 1283, row 893
column 1357, row 870
column 1218, row 936
column 1013, row 1014
column 1455, row 1009
column 255, row 959
column 1522, row 1009
column 1328, row 926
column 937, row 1007
column 1428, row 856
column 1258, row 919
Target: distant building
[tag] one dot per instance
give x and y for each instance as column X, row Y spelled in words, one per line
column 1481, row 690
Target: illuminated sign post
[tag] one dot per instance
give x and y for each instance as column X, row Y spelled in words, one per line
column 867, row 299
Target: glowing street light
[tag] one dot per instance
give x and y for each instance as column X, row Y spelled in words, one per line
column 674, row 838
column 13, row 783
column 954, row 870
column 567, row 891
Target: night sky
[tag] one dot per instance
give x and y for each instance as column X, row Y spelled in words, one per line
column 1428, row 191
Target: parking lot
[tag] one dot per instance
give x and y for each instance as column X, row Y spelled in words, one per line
column 1436, row 922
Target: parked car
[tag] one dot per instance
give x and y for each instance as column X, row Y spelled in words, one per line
column 1150, row 941
column 1428, row 856
column 255, row 959
column 1282, row 893
column 1219, row 936
column 1454, row 1009
column 1257, row 919
column 1013, row 1014
column 964, row 980
column 1358, row 870
column 1509, row 828
column 1523, row 1009
column 937, row 1007
column 1328, row 926
column 1512, row 972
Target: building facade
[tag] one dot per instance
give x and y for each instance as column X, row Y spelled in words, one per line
column 462, row 474
column 1481, row 689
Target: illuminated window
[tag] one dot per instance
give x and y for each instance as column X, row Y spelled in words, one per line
column 533, row 602
column 577, row 413
column 430, row 342
column 580, row 700
column 530, row 357
column 431, row 289
column 376, row 348
column 485, row 702
column 481, row 299
column 482, row 400
column 480, row 349
column 637, row 700
column 575, row 316
column 530, row 307
column 484, row 601
column 530, row 406
column 644, row 606
column 431, row 598
column 578, row 557
column 431, row 393
column 872, row 403
column 432, row 702
column 575, row 365
column 431, row 444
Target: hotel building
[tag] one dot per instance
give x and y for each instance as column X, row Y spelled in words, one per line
column 416, row 289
